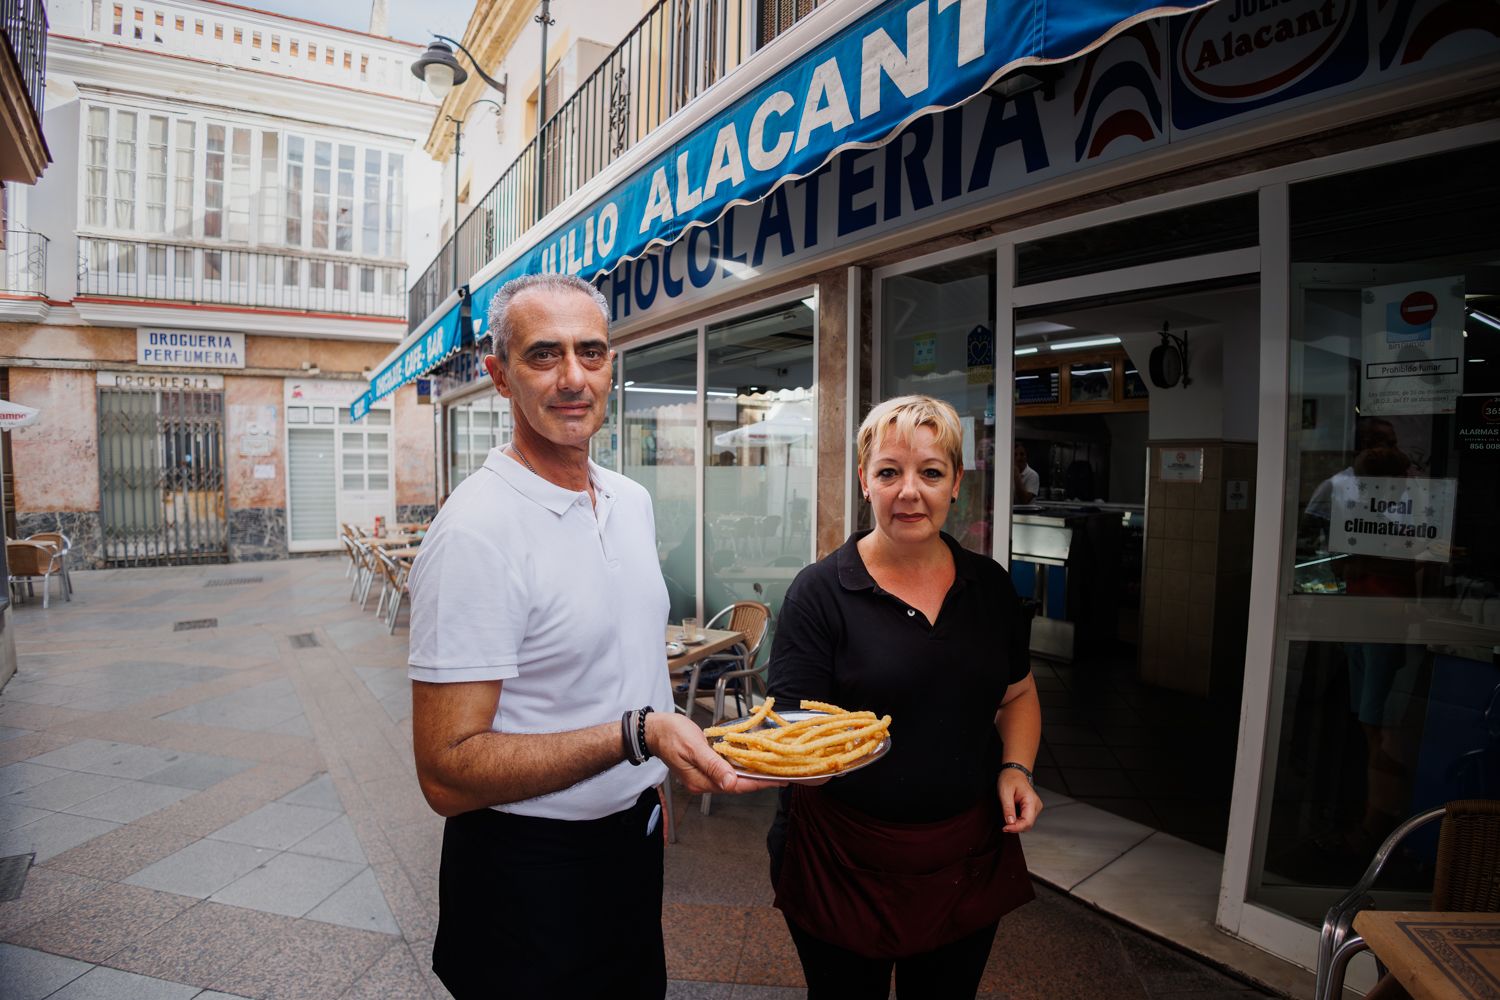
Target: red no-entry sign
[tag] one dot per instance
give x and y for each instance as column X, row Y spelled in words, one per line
column 1418, row 308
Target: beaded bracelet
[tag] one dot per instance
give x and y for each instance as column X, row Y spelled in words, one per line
column 640, row 732
column 1022, row 768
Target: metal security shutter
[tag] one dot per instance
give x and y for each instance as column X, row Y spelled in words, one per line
column 313, row 516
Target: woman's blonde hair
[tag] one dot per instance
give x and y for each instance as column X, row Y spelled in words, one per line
column 902, row 415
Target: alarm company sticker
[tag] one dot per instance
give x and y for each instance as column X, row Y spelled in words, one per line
column 1413, row 347
column 1477, row 425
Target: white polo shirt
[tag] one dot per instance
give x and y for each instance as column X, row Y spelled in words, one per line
column 522, row 581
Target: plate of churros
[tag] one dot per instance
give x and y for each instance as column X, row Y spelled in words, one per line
column 816, row 742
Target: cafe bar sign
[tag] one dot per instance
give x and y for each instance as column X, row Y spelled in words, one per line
column 189, row 348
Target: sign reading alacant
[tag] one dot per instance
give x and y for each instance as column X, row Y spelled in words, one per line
column 189, row 348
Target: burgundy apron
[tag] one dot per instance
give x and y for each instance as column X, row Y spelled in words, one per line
column 892, row 890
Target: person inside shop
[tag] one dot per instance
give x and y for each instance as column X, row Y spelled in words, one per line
column 907, row 865
column 538, row 613
column 1027, row 483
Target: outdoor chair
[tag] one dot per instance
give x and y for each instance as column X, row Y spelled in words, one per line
column 64, row 546
column 1466, row 879
column 392, row 587
column 736, row 667
column 748, row 617
column 365, row 577
column 346, row 539
column 31, row 561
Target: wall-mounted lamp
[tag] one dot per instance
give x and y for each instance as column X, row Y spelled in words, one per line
column 441, row 71
column 1169, row 360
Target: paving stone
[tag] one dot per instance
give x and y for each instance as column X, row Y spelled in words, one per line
column 291, row 884
column 203, row 943
column 25, row 774
column 275, row 825
column 14, row 816
column 358, row 903
column 101, row 983
column 199, row 770
column 31, row 975
column 68, row 789
column 337, row 840
column 130, row 801
column 318, row 792
column 74, row 756
column 102, row 923
column 51, row 835
column 202, row 868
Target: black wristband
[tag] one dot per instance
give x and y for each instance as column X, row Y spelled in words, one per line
column 640, row 733
column 1022, row 768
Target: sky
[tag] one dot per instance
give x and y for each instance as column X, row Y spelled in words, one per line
column 409, row 20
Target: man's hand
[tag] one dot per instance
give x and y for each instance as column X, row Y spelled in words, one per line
column 678, row 743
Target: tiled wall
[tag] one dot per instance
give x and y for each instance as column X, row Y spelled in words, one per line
column 1195, row 586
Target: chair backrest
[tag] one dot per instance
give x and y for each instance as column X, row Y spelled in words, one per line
column 1467, row 875
column 28, row 558
column 56, row 537
column 749, row 618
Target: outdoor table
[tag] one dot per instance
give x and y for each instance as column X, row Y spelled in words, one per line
column 1437, row 956
column 394, row 541
column 410, row 552
column 715, row 641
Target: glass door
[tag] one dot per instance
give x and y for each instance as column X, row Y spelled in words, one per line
column 1386, row 687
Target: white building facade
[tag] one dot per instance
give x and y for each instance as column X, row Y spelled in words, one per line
column 228, row 240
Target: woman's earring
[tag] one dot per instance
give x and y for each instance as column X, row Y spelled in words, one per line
column 954, row 498
column 867, row 498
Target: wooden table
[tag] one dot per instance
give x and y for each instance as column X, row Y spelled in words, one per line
column 1437, row 956
column 393, row 541
column 410, row 552
column 691, row 661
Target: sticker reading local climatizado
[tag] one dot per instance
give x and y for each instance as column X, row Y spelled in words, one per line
column 1394, row 517
column 1413, row 340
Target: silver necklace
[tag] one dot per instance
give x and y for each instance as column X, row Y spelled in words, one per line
column 523, row 459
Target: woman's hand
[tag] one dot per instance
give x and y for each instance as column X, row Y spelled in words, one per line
column 1019, row 802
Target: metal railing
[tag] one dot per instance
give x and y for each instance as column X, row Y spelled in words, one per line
column 24, row 24
column 136, row 269
column 25, row 263
column 676, row 52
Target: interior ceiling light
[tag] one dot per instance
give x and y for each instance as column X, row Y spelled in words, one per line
column 1071, row 345
column 1021, row 351
column 1485, row 318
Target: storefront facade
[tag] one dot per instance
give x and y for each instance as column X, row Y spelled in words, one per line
column 1295, row 531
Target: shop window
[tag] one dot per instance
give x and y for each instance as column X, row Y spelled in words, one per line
column 1207, row 227
column 1037, row 386
column 760, row 436
column 937, row 338
column 1390, row 610
column 660, row 431
column 1091, row 382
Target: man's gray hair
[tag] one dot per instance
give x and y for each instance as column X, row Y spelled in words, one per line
column 500, row 322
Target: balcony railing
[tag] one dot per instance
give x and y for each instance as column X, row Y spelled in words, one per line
column 24, row 24
column 134, row 269
column 25, row 263
column 676, row 52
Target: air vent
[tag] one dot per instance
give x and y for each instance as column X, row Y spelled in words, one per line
column 233, row 581
column 304, row 640
column 195, row 623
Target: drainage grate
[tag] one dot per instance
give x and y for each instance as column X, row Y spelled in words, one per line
column 233, row 581
column 303, row 640
column 195, row 623
column 13, row 875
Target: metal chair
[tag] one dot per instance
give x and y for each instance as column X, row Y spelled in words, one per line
column 393, row 587
column 1466, row 879
column 64, row 546
column 750, row 618
column 30, row 561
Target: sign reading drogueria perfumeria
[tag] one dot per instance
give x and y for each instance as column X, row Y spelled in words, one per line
column 189, row 348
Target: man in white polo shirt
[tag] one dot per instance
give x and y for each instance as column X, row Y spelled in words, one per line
column 537, row 624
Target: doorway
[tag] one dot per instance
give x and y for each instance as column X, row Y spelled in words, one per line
column 1130, row 536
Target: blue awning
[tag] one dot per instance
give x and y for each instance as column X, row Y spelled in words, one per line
column 856, row 88
column 436, row 344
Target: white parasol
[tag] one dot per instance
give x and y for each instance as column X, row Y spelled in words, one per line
column 13, row 415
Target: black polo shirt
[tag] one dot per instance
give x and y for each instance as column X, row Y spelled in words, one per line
column 841, row 638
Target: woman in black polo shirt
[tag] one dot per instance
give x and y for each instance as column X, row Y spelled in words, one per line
column 909, row 863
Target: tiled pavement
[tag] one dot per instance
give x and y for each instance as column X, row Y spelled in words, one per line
column 223, row 813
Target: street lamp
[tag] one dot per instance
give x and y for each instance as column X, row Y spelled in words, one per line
column 442, row 72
